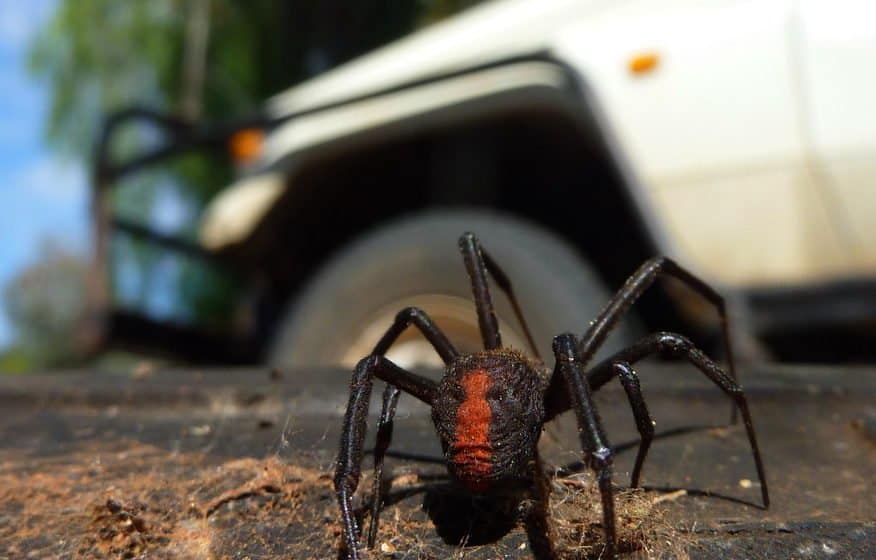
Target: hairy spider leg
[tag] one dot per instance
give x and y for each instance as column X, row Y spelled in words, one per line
column 472, row 254
column 504, row 284
column 477, row 263
column 403, row 319
column 349, row 463
column 633, row 288
column 557, row 401
column 417, row 317
column 384, row 438
column 594, row 444
column 675, row 345
column 644, row 423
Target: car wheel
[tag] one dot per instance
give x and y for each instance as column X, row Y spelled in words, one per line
column 340, row 315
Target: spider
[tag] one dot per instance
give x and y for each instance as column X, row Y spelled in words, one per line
column 490, row 406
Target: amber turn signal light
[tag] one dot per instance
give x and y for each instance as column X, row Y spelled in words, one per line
column 246, row 144
column 643, row 63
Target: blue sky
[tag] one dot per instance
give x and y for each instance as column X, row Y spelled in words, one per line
column 41, row 195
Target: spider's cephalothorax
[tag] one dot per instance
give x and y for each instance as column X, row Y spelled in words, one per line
column 490, row 406
column 489, row 411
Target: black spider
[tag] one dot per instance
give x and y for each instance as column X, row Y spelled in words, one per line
column 489, row 407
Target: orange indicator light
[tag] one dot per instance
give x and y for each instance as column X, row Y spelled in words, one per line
column 246, row 144
column 643, row 63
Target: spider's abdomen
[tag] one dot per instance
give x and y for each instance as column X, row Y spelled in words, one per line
column 471, row 452
column 489, row 412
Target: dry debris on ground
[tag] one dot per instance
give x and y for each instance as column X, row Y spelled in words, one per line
column 140, row 501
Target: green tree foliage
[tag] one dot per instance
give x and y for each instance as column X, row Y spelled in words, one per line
column 103, row 54
column 97, row 56
column 45, row 303
column 100, row 55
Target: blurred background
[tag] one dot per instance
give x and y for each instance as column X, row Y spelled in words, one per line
column 66, row 65
column 230, row 182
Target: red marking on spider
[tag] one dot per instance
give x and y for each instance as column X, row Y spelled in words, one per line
column 472, row 445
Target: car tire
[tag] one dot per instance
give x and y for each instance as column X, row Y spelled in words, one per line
column 416, row 261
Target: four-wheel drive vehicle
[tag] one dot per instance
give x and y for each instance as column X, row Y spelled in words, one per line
column 577, row 139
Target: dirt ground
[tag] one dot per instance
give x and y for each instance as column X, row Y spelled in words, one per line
column 237, row 465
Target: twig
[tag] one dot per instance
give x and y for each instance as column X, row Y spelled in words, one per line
column 670, row 497
column 240, row 494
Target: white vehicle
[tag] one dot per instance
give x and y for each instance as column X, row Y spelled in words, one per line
column 577, row 139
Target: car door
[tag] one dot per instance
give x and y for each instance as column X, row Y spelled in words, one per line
column 715, row 131
column 837, row 53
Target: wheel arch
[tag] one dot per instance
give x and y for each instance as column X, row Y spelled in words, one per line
column 541, row 150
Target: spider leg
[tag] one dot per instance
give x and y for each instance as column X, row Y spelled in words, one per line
column 478, row 262
column 349, row 461
column 558, row 401
column 676, row 345
column 472, row 254
column 384, row 438
column 598, row 454
column 504, row 284
column 417, row 317
column 630, row 382
column 633, row 288
column 404, row 318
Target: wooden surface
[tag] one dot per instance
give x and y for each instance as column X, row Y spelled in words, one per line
column 236, row 464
